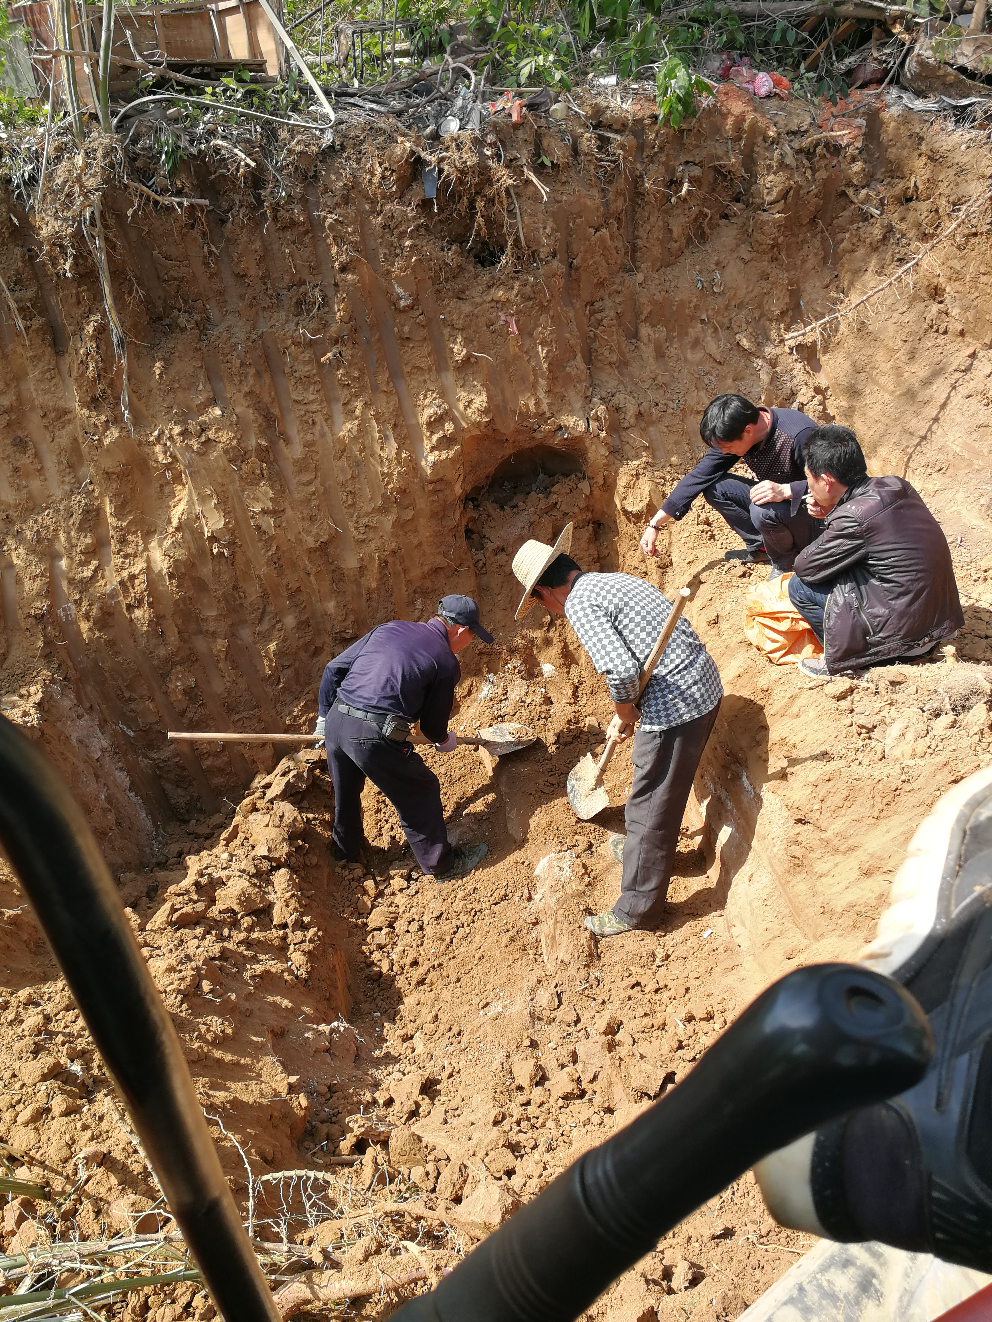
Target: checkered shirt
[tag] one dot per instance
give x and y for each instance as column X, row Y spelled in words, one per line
column 618, row 619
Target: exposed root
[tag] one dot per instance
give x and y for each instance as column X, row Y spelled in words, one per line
column 817, row 326
column 93, row 230
column 331, row 1287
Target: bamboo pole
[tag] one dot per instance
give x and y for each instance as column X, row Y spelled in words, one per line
column 69, row 71
column 103, row 75
column 86, row 41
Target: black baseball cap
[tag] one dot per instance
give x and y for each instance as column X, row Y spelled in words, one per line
column 463, row 610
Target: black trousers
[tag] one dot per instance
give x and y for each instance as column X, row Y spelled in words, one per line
column 665, row 763
column 357, row 751
column 774, row 526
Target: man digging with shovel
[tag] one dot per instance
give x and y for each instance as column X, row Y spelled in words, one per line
column 618, row 619
column 370, row 698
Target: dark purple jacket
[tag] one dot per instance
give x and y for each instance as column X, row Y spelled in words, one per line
column 888, row 566
column 779, row 458
column 402, row 668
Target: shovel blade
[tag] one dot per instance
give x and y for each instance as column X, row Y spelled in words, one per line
column 586, row 801
column 498, row 740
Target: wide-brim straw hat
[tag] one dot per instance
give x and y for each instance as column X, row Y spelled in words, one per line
column 532, row 560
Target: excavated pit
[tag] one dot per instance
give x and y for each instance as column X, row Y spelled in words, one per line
column 344, row 404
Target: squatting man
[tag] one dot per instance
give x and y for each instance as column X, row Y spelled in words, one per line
column 371, row 696
column 878, row 584
column 618, row 619
column 769, row 513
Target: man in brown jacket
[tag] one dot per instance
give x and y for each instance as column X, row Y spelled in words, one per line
column 878, row 583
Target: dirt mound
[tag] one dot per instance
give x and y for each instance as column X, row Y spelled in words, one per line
column 340, row 409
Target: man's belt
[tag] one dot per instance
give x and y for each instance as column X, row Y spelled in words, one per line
column 393, row 727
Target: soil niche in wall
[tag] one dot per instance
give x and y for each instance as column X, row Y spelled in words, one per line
column 337, row 413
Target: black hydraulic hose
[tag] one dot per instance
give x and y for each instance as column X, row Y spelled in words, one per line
column 820, row 1042
column 64, row 876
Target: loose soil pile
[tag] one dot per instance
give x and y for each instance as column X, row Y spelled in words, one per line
column 341, row 409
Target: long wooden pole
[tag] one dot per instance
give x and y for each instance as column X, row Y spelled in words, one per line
column 235, row 737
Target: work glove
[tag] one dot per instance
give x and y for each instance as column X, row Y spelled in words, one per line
column 318, row 730
column 449, row 745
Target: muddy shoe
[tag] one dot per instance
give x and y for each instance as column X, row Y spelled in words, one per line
column 616, row 844
column 916, row 1172
column 607, row 924
column 463, row 859
column 748, row 556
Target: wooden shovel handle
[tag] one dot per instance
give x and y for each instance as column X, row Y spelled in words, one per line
column 674, row 615
column 234, row 737
column 608, row 752
column 678, row 606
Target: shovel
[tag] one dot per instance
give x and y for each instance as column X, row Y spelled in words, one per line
column 496, row 740
column 586, row 792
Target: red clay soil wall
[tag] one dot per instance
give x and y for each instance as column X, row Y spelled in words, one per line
column 344, row 402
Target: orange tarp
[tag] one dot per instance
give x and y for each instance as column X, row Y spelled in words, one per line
column 775, row 627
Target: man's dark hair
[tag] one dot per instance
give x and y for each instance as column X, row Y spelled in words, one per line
column 726, row 417
column 556, row 574
column 836, row 452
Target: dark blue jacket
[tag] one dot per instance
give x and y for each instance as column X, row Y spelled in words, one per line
column 402, row 668
column 774, row 460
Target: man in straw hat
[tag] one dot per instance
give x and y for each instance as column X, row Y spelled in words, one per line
column 370, row 697
column 618, row 619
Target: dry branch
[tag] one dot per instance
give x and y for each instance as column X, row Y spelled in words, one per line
column 160, row 197
column 223, row 107
column 802, row 9
column 20, row 326
column 969, row 210
column 310, row 1175
column 92, row 1291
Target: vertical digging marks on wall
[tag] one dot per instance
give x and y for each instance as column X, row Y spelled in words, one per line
column 137, row 659
column 74, row 441
column 563, row 224
column 376, row 299
column 213, row 688
column 439, row 347
column 29, row 419
column 8, row 606
column 273, row 406
column 100, row 695
column 325, row 352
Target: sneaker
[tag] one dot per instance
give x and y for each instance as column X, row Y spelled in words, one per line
column 607, row 924
column 749, row 555
column 813, row 667
column 616, row 844
column 916, row 1172
column 463, row 859
column 776, row 573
